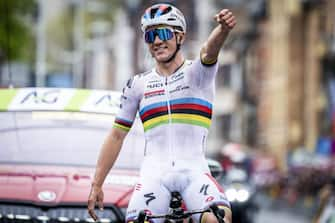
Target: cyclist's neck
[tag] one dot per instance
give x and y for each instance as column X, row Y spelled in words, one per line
column 166, row 69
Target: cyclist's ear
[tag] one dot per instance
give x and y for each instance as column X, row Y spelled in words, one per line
column 180, row 39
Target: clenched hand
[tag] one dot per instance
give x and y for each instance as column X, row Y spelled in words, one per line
column 226, row 18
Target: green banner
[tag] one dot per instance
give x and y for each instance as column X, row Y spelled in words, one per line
column 78, row 99
column 6, row 97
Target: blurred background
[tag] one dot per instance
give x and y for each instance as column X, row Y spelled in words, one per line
column 274, row 109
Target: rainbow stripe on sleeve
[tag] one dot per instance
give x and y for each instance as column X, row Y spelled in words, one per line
column 122, row 124
column 193, row 111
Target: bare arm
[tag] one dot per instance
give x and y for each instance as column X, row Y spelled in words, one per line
column 211, row 48
column 108, row 154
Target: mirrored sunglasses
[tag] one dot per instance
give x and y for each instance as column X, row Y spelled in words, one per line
column 163, row 34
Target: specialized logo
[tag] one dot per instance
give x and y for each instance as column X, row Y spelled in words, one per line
column 179, row 88
column 47, row 196
column 149, row 197
column 204, row 189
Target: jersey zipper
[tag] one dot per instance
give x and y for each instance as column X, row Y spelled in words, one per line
column 170, row 140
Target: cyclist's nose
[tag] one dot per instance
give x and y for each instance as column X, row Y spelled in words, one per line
column 157, row 40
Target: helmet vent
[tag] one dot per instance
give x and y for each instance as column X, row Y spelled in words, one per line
column 153, row 12
column 167, row 10
column 161, row 10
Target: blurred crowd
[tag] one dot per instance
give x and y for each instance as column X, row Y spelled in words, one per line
column 307, row 181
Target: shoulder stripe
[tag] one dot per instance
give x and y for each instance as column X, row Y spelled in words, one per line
column 122, row 124
column 152, row 106
column 117, row 126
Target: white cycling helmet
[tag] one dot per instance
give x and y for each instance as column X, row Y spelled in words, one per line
column 163, row 14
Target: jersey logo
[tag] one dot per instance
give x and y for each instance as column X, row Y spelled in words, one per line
column 138, row 186
column 176, row 78
column 210, row 198
column 155, row 85
column 150, row 94
column 128, row 85
column 149, row 197
column 179, row 88
column 204, row 189
column 130, row 82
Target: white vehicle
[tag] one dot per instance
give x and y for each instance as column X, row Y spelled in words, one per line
column 49, row 142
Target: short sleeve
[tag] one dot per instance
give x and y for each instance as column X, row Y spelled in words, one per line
column 130, row 99
column 202, row 75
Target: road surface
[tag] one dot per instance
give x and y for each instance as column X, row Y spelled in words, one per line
column 281, row 212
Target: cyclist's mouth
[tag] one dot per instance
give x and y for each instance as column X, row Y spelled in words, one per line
column 160, row 49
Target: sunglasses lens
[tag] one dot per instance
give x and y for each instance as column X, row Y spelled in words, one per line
column 149, row 36
column 163, row 34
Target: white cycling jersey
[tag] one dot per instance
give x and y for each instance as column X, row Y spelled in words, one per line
column 176, row 113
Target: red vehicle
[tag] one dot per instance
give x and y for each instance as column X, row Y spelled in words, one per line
column 49, row 143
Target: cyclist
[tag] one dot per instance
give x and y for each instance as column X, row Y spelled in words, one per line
column 174, row 101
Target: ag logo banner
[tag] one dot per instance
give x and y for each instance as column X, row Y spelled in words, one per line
column 41, row 99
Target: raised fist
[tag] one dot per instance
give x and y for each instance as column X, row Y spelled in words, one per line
column 226, row 18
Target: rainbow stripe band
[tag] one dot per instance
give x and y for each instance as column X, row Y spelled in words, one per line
column 192, row 111
column 122, row 124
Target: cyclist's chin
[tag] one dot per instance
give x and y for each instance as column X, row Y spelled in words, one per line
column 162, row 57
